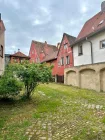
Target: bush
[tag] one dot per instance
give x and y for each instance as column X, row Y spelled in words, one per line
column 31, row 75
column 9, row 85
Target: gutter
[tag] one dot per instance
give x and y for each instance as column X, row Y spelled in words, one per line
column 90, row 35
column 91, row 45
column 48, row 60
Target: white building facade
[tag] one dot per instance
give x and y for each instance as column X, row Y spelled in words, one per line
column 91, row 48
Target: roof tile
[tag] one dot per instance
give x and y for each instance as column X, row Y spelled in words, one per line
column 92, row 25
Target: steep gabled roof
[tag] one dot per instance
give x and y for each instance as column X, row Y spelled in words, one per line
column 50, row 57
column 20, row 54
column 44, row 47
column 70, row 38
column 92, row 26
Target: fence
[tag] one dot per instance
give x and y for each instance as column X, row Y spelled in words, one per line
column 60, row 79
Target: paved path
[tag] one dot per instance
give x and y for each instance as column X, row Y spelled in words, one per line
column 59, row 125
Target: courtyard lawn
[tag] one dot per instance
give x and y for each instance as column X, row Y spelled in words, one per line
column 56, row 112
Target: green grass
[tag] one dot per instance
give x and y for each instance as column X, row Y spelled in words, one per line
column 62, row 102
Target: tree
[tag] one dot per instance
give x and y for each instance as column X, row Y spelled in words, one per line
column 10, row 86
column 31, row 75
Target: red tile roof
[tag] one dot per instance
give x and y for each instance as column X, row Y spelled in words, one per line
column 20, row 54
column 44, row 47
column 70, row 38
column 94, row 24
column 50, row 57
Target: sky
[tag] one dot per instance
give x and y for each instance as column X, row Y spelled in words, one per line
column 43, row 20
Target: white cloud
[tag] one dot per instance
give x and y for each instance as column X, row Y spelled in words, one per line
column 14, row 3
column 59, row 27
column 84, row 9
column 6, row 21
column 45, row 10
column 13, row 47
column 43, row 20
column 37, row 22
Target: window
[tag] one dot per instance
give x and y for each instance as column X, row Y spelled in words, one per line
column 80, row 51
column 65, row 46
column 21, row 60
column 1, row 50
column 62, row 61
column 102, row 44
column 32, row 52
column 37, row 60
column 15, row 60
column 58, row 63
column 67, row 60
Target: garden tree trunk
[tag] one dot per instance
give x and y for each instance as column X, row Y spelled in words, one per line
column 27, row 92
column 28, row 95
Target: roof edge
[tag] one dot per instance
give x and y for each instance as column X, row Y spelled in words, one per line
column 49, row 60
column 89, row 35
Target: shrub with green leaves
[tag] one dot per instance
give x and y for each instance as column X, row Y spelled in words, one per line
column 31, row 75
column 10, row 86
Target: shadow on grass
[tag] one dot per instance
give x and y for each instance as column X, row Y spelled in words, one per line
column 6, row 101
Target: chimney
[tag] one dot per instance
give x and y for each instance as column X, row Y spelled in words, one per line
column 18, row 50
column 46, row 43
column 103, row 6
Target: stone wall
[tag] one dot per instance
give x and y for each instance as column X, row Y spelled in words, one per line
column 87, row 76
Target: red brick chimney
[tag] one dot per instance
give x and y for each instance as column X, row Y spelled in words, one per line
column 45, row 42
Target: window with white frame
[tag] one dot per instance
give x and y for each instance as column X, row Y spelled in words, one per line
column 102, row 44
column 65, row 46
column 80, row 50
column 67, row 60
column 59, row 63
column 62, row 61
column 1, row 51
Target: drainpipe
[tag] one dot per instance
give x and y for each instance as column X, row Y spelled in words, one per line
column 91, row 49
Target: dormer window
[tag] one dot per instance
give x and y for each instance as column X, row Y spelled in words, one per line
column 1, row 51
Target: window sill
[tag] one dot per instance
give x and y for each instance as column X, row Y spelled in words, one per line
column 102, row 48
column 80, row 54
